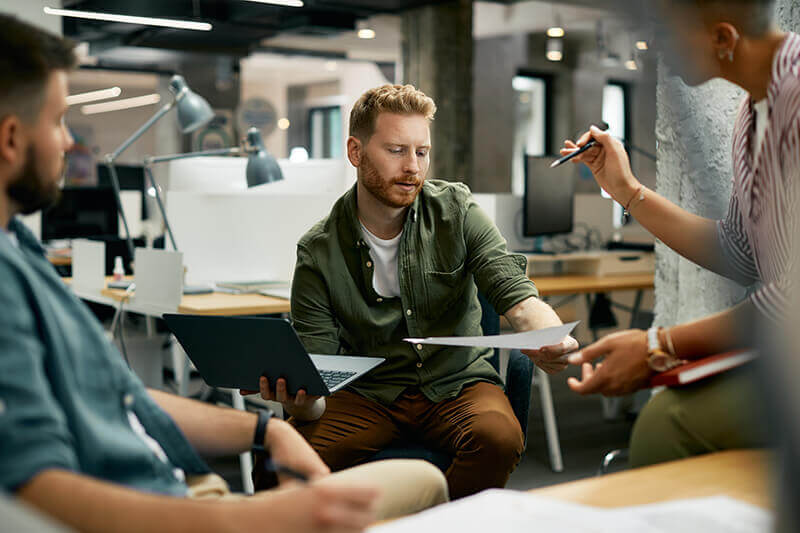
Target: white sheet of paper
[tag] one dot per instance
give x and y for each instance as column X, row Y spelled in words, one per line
column 527, row 340
column 513, row 511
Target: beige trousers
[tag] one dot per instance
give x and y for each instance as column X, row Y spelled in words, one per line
column 407, row 486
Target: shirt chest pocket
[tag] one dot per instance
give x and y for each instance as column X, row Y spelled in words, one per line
column 90, row 356
column 444, row 289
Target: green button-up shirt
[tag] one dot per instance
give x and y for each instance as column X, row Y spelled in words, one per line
column 449, row 250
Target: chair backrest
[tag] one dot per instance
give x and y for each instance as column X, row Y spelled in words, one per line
column 490, row 323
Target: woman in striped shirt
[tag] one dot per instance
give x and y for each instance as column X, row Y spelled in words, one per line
column 736, row 41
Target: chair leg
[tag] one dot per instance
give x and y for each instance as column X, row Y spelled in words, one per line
column 245, row 458
column 549, row 415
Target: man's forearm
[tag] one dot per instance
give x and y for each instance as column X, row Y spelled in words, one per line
column 532, row 313
column 212, row 430
column 89, row 505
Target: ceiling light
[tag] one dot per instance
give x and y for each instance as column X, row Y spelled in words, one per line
column 125, row 103
column 631, row 64
column 641, row 45
column 331, row 66
column 287, row 3
column 283, row 123
column 93, row 96
column 146, row 21
column 555, row 49
column 555, row 31
column 364, row 31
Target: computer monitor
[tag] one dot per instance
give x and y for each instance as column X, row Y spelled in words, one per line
column 547, row 205
column 82, row 212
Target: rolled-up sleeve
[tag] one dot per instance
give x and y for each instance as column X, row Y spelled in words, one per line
column 34, row 435
column 501, row 276
column 312, row 313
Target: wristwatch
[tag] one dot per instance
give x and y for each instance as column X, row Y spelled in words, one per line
column 657, row 358
column 264, row 414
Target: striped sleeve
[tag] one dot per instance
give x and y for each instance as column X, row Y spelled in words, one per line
column 736, row 245
column 773, row 299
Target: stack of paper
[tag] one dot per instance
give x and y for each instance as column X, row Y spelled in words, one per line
column 512, row 511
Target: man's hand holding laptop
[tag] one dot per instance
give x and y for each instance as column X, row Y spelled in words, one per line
column 300, row 405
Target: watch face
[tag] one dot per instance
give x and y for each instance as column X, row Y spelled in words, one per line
column 659, row 362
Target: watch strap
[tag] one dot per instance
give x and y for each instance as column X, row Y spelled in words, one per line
column 264, row 415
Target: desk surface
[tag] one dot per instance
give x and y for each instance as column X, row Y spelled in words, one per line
column 582, row 284
column 219, row 303
column 255, row 304
column 740, row 474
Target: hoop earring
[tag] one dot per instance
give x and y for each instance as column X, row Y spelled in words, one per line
column 726, row 54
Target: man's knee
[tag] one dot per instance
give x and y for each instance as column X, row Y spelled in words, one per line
column 497, row 435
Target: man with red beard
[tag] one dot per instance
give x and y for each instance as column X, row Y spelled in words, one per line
column 399, row 256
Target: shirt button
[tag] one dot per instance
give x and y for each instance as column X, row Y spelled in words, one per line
column 408, row 312
column 128, row 400
column 419, row 346
column 369, row 264
column 419, row 365
column 379, row 300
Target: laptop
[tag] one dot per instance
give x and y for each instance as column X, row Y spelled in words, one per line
column 234, row 352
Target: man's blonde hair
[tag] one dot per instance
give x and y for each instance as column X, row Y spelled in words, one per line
column 401, row 99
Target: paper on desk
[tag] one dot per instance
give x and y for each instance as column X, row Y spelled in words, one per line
column 527, row 340
column 512, row 511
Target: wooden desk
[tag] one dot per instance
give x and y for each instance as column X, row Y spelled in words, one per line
column 220, row 303
column 740, row 474
column 583, row 284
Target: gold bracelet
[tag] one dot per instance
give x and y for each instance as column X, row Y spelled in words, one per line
column 637, row 199
column 627, row 206
column 670, row 345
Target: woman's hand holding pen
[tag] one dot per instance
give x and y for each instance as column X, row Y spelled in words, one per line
column 608, row 162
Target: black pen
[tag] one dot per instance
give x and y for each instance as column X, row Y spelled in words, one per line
column 573, row 154
column 270, row 465
column 602, row 125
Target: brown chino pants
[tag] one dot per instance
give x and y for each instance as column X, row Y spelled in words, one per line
column 477, row 428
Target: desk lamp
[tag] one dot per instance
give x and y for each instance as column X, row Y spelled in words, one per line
column 193, row 112
column 261, row 168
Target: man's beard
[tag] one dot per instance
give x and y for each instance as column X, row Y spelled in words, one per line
column 31, row 191
column 384, row 190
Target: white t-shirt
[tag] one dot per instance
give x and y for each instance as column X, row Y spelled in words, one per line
column 762, row 114
column 385, row 279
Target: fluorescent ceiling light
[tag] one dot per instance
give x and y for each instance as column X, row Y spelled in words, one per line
column 125, row 103
column 631, row 65
column 641, row 45
column 287, row 3
column 366, row 33
column 555, row 31
column 92, row 96
column 146, row 21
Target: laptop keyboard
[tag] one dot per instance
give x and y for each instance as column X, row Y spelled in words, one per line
column 334, row 377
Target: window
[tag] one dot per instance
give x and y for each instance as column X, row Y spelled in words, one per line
column 531, row 134
column 325, row 132
column 615, row 114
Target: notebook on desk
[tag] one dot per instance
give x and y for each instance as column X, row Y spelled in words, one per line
column 234, row 352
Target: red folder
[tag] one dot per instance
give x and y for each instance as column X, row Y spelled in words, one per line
column 702, row 368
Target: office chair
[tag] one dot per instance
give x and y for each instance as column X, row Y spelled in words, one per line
column 519, row 380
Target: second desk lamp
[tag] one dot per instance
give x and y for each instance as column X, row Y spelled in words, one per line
column 261, row 168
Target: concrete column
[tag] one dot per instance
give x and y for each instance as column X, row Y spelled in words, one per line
column 437, row 59
column 694, row 128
